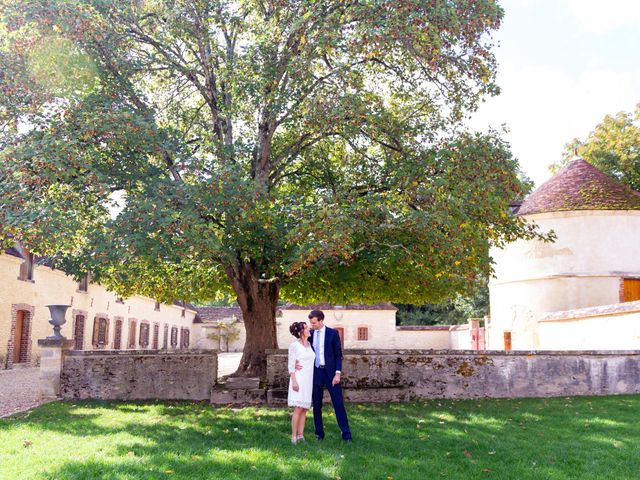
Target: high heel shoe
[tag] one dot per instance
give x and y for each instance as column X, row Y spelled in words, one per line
column 300, row 438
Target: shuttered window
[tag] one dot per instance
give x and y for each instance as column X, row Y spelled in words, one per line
column 100, row 332
column 174, row 337
column 156, row 335
column 184, row 340
column 363, row 333
column 144, row 335
column 117, row 340
column 132, row 334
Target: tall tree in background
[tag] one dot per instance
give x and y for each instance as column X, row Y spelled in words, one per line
column 309, row 150
column 455, row 311
column 613, row 146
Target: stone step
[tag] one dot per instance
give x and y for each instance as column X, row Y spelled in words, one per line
column 238, row 397
column 242, row 383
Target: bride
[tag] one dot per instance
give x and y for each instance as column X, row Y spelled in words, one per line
column 300, row 381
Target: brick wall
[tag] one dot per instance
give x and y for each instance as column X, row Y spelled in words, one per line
column 138, row 375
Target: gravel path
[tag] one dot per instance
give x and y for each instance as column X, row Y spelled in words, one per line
column 19, row 390
column 228, row 363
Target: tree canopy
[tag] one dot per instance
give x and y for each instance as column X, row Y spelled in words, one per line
column 613, row 146
column 309, row 150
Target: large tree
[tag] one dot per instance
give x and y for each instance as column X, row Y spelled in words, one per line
column 296, row 149
column 613, row 146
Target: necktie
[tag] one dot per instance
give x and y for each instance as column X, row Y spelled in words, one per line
column 316, row 346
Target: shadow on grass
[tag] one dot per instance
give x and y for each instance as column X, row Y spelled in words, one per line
column 530, row 438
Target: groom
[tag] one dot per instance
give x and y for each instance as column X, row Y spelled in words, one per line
column 326, row 373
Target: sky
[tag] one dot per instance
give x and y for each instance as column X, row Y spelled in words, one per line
column 562, row 66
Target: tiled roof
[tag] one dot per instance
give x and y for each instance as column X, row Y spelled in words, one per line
column 348, row 306
column 580, row 186
column 14, row 252
column 217, row 314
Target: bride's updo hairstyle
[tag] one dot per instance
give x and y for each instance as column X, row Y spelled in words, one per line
column 297, row 328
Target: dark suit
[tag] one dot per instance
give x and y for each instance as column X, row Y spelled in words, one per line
column 322, row 377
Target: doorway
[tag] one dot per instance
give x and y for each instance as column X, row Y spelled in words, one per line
column 22, row 337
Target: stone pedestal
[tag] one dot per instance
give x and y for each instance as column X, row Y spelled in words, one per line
column 52, row 351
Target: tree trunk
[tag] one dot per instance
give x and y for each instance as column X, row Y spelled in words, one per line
column 258, row 300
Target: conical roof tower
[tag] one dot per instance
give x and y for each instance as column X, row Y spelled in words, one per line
column 580, row 186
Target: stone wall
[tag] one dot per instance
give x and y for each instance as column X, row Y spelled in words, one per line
column 404, row 375
column 139, row 375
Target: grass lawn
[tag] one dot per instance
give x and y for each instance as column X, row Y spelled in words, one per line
column 581, row 438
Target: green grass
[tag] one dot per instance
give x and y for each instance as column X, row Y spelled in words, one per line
column 577, row 438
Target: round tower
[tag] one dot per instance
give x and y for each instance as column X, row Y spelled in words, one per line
column 595, row 259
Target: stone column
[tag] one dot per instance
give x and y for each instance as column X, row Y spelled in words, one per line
column 474, row 331
column 52, row 351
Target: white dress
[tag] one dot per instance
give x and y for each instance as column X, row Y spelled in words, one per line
column 306, row 357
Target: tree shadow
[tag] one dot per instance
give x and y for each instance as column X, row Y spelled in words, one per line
column 587, row 437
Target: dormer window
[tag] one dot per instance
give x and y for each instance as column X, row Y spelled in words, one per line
column 26, row 268
column 83, row 285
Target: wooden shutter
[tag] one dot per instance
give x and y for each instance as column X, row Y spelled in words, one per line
column 631, row 290
column 363, row 333
column 117, row 338
column 96, row 328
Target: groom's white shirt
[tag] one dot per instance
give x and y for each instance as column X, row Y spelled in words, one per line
column 318, row 344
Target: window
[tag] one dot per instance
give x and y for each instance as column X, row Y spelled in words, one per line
column 363, row 333
column 156, row 335
column 78, row 333
column 100, row 332
column 144, row 335
column 157, row 307
column 184, row 338
column 174, row 337
column 117, row 340
column 83, row 285
column 132, row 334
column 26, row 268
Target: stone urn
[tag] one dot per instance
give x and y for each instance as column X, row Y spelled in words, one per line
column 57, row 319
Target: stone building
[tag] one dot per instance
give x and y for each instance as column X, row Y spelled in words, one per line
column 583, row 290
column 97, row 318
column 359, row 326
